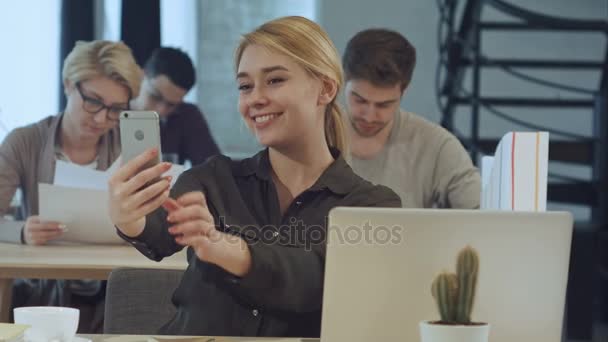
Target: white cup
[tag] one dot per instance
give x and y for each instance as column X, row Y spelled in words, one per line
column 48, row 323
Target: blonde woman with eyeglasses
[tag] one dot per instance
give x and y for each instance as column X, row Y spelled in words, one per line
column 99, row 78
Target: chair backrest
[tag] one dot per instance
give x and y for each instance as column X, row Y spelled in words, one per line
column 138, row 300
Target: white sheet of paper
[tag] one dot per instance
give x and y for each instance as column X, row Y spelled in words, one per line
column 175, row 171
column 487, row 163
column 76, row 176
column 78, row 199
column 83, row 211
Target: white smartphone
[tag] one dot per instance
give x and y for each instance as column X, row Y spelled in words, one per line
column 139, row 131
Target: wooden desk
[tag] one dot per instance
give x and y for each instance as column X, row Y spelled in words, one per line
column 144, row 338
column 70, row 262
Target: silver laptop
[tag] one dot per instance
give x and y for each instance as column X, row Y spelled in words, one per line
column 381, row 262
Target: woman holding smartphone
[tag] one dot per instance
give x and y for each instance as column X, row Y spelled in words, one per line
column 99, row 78
column 255, row 229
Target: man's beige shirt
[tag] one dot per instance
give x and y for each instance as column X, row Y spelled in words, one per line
column 425, row 165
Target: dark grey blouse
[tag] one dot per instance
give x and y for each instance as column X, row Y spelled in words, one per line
column 282, row 293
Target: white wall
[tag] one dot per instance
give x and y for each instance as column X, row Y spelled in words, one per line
column 220, row 26
column 29, row 62
column 417, row 20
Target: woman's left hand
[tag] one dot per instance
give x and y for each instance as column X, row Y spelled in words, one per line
column 193, row 225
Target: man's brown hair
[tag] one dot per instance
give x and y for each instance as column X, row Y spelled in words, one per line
column 380, row 56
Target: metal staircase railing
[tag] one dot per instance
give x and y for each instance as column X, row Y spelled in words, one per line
column 460, row 31
column 460, row 52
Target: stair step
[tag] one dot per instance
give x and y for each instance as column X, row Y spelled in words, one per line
column 536, row 63
column 527, row 102
column 583, row 193
column 579, row 152
column 593, row 26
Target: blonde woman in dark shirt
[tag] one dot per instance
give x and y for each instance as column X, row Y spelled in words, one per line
column 255, row 229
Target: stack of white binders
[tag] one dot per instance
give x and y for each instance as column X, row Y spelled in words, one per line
column 515, row 178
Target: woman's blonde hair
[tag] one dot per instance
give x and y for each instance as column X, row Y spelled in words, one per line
column 308, row 45
column 103, row 58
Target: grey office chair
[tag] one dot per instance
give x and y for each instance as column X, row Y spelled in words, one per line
column 138, row 300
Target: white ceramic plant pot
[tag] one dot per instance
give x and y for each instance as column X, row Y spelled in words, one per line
column 430, row 332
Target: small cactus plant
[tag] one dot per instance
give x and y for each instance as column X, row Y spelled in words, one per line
column 455, row 292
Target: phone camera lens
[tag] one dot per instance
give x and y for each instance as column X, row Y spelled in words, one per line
column 126, row 115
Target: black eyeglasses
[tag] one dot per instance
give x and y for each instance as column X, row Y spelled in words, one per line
column 94, row 106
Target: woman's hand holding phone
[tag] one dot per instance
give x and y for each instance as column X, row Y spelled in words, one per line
column 133, row 194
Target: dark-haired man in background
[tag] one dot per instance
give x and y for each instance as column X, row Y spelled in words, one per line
column 421, row 161
column 168, row 76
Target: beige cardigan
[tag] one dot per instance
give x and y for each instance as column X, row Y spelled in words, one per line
column 27, row 157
